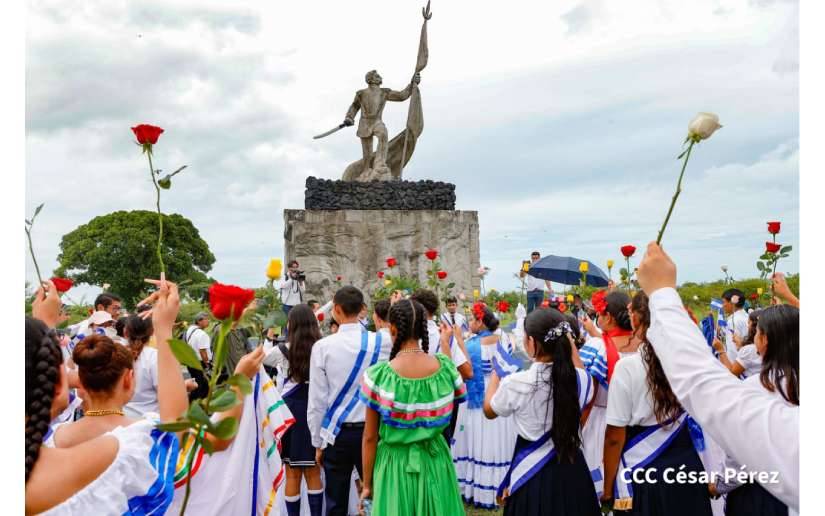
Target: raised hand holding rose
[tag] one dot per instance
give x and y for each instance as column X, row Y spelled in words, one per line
column 700, row 128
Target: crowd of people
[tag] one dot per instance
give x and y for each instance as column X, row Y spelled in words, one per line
column 422, row 411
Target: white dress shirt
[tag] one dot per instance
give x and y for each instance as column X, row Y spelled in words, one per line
column 434, row 337
column 724, row 406
column 332, row 360
column 460, row 321
column 534, row 283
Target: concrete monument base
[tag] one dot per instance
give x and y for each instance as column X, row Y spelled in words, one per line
column 355, row 244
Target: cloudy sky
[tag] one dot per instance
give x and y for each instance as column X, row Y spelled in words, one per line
column 558, row 121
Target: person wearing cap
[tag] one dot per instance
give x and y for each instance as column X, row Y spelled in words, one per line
column 201, row 343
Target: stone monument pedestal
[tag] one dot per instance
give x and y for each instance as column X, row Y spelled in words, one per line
column 355, row 243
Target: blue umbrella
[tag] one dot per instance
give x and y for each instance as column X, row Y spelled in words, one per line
column 565, row 270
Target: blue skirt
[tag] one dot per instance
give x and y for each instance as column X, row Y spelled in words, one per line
column 753, row 500
column 297, row 450
column 671, row 499
column 561, row 489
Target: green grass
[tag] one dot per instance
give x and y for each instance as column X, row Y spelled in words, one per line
column 475, row 511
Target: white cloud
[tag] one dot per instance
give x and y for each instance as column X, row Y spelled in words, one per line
column 561, row 110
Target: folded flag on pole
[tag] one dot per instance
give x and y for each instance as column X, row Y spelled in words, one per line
column 716, row 304
column 504, row 363
column 709, row 331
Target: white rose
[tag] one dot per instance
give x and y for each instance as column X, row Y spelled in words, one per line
column 702, row 126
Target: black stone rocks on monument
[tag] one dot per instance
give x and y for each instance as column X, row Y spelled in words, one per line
column 324, row 194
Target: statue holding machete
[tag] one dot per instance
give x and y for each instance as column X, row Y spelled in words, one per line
column 387, row 161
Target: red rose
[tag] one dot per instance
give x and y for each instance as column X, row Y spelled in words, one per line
column 62, row 284
column 503, row 306
column 442, row 275
column 321, row 317
column 146, row 133
column 337, row 278
column 599, row 302
column 431, row 254
column 773, row 227
column 545, row 303
column 772, row 248
column 754, row 296
column 391, row 262
column 229, row 301
column 628, row 250
column 562, row 307
column 380, row 274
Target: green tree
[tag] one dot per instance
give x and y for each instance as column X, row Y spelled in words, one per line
column 121, row 249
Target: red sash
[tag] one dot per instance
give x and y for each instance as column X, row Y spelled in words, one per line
column 610, row 348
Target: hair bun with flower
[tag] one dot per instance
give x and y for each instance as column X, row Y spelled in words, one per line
column 599, row 302
column 563, row 328
column 479, row 310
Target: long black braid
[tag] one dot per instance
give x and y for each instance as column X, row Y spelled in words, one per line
column 410, row 321
column 43, row 360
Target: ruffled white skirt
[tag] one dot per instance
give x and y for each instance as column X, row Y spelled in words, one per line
column 482, row 450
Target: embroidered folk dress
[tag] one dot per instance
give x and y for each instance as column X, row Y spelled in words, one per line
column 413, row 472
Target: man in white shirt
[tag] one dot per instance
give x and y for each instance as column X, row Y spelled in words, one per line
column 733, row 304
column 201, row 343
column 452, row 317
column 292, row 287
column 535, row 286
column 726, row 407
column 335, row 414
column 104, row 302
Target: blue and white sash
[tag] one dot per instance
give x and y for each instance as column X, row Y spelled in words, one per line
column 530, row 459
column 347, row 398
column 642, row 450
column 504, row 363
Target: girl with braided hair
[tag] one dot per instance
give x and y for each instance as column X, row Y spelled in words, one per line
column 646, row 425
column 482, row 448
column 409, row 403
column 548, row 474
column 604, row 347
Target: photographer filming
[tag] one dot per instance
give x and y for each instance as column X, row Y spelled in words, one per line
column 293, row 287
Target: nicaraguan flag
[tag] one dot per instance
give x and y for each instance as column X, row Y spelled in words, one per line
column 504, row 363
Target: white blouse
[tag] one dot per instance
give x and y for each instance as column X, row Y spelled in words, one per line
column 526, row 396
column 145, row 398
column 724, row 406
column 630, row 402
column 750, row 360
column 131, row 474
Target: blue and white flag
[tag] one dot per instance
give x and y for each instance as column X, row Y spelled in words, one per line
column 504, row 363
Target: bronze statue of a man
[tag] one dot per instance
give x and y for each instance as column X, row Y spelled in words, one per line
column 370, row 101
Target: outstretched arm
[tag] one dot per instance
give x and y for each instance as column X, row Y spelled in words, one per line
column 399, row 96
column 725, row 407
